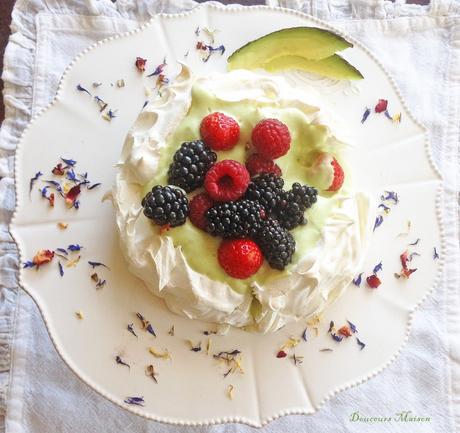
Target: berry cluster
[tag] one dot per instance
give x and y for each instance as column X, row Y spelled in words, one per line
column 246, row 205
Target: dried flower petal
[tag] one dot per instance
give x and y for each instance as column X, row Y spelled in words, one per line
column 158, row 70
column 162, row 355
column 74, row 247
column 140, row 64
column 194, row 348
column 378, row 221
column 118, row 360
column 94, row 185
column 381, row 106
column 360, row 343
column 34, row 179
column 345, row 331
column 336, row 337
column 357, row 280
column 377, row 268
column 435, row 254
column 80, row 88
column 71, row 196
column 373, row 281
column 281, row 354
column 404, row 259
column 130, row 328
column 390, row 196
column 62, row 225
column 326, row 349
column 230, row 392
column 208, row 50
column 79, row 315
column 385, row 208
column 290, row 343
column 366, row 113
column 304, row 334
column 61, row 269
column 100, row 284
column 120, row 83
column 137, row 401
column 415, row 242
column 352, row 327
column 150, row 371
column 297, row 359
column 331, row 327
column 396, row 117
column 95, row 264
column 42, row 257
column 73, row 262
column 171, row 331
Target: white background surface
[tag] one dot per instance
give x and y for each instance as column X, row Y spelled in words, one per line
column 44, row 396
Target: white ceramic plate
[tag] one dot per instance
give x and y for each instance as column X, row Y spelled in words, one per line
column 191, row 388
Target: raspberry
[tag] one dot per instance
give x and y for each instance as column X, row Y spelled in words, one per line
column 199, row 205
column 240, row 258
column 226, row 180
column 220, row 132
column 271, row 138
column 258, row 164
column 338, row 176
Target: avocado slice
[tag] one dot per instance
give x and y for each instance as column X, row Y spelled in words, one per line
column 332, row 67
column 309, row 42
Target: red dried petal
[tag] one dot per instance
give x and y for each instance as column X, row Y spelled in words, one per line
column 72, row 195
column 58, row 170
column 373, row 281
column 345, row 331
column 43, row 257
column 404, row 259
column 140, row 64
column 381, row 106
column 281, row 354
column 406, row 273
column 51, row 199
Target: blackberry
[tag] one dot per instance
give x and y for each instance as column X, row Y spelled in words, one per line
column 292, row 205
column 265, row 189
column 165, row 205
column 235, row 219
column 190, row 164
column 276, row 243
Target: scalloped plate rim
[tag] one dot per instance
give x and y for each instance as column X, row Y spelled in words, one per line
column 292, row 411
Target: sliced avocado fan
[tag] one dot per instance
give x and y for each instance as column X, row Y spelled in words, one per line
column 305, row 48
column 309, row 42
column 334, row 66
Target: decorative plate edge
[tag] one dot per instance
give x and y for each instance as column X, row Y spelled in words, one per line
column 292, row 411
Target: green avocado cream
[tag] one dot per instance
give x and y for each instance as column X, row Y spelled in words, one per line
column 308, row 140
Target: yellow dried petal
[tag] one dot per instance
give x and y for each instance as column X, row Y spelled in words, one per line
column 230, row 392
column 161, row 355
column 73, row 262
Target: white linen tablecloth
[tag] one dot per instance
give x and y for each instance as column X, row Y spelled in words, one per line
column 419, row 45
